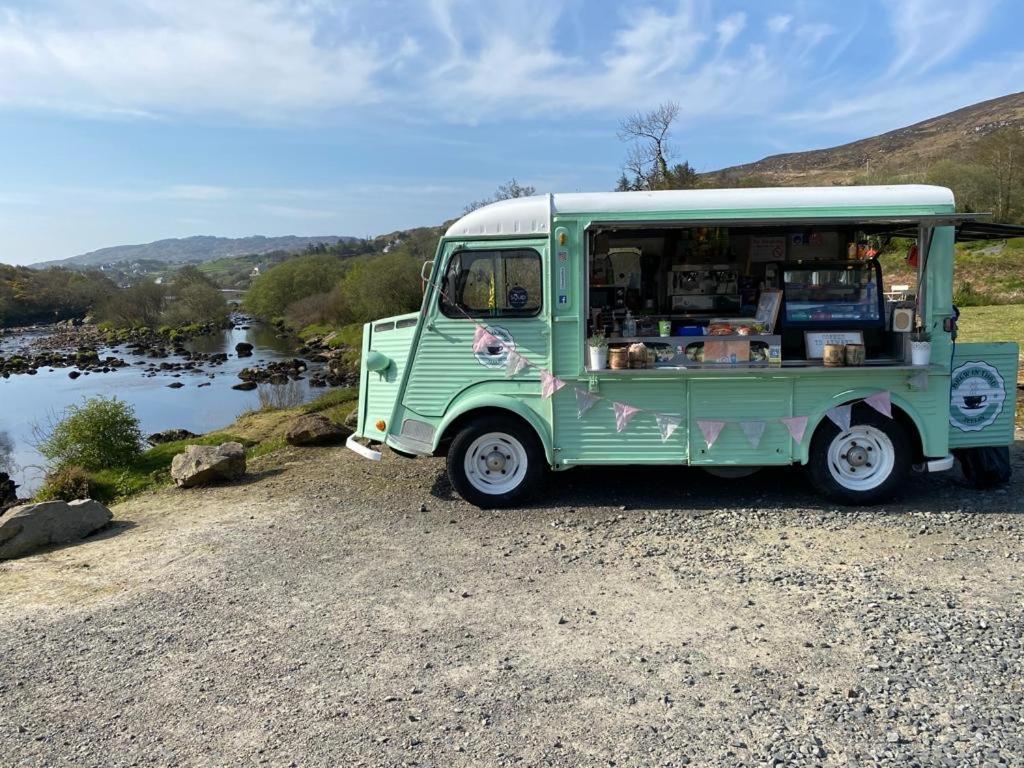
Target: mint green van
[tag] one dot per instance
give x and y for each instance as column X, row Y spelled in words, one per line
column 722, row 329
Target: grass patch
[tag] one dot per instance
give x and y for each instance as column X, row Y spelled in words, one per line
column 151, row 468
column 1005, row 323
column 985, row 272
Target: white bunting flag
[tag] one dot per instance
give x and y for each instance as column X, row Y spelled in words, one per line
column 881, row 402
column 711, row 429
column 840, row 415
column 668, row 423
column 754, row 430
column 549, row 384
column 515, row 364
column 796, row 425
column 584, row 401
column 484, row 339
column 623, row 414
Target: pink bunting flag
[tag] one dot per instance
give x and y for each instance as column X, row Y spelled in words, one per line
column 484, row 339
column 840, row 415
column 623, row 414
column 754, row 431
column 667, row 424
column 711, row 429
column 515, row 363
column 584, row 401
column 881, row 402
column 796, row 425
column 549, row 384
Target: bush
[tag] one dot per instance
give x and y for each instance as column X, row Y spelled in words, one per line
column 66, row 484
column 273, row 291
column 197, row 300
column 98, row 434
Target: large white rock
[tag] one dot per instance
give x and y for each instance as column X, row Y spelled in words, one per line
column 26, row 528
column 202, row 464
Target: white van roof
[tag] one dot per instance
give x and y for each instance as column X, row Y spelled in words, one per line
column 532, row 215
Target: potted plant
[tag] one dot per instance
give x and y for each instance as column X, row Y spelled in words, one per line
column 920, row 347
column 598, row 347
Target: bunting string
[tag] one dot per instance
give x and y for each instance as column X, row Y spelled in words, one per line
column 668, row 423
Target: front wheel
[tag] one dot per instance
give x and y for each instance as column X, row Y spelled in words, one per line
column 495, row 461
column 865, row 464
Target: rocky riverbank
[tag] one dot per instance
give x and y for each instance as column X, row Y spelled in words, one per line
column 89, row 349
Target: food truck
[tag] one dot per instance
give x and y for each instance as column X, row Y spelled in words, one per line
column 726, row 329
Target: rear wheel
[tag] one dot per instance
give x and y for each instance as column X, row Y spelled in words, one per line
column 495, row 461
column 864, row 464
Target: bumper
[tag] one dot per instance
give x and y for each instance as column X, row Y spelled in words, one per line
column 367, row 453
column 938, row 465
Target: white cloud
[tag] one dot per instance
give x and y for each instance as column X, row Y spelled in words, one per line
column 928, row 32
column 148, row 57
column 730, row 27
column 779, row 24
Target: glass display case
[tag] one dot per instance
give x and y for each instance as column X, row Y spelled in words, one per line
column 827, row 294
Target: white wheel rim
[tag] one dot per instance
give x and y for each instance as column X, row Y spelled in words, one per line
column 861, row 458
column 495, row 463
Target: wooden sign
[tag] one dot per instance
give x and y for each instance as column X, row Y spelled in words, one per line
column 815, row 341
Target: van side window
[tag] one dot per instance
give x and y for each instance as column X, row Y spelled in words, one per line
column 498, row 283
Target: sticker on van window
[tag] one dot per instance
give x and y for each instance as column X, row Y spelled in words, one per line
column 976, row 396
column 518, row 297
column 496, row 355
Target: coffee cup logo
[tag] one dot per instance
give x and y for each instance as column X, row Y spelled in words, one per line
column 976, row 396
column 496, row 355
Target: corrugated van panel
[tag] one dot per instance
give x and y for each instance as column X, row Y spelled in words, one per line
column 382, row 390
column 982, row 405
column 593, row 439
column 739, row 399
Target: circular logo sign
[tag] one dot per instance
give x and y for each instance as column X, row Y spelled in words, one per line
column 976, row 396
column 517, row 297
column 496, row 355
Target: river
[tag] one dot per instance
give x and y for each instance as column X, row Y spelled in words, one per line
column 27, row 401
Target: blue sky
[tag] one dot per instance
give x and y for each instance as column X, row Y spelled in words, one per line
column 127, row 121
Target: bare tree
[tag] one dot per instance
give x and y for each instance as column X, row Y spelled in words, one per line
column 506, row 191
column 649, row 150
column 1002, row 154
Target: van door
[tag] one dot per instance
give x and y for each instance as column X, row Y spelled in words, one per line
column 499, row 284
column 983, row 394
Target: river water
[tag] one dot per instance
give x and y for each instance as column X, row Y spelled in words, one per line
column 26, row 401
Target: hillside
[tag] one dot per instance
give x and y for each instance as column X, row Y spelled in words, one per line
column 913, row 147
column 198, row 248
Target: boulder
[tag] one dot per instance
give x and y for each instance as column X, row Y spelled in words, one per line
column 170, row 436
column 245, row 386
column 26, row 528
column 314, row 429
column 243, row 349
column 203, row 464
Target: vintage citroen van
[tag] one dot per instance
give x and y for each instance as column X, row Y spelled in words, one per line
column 739, row 324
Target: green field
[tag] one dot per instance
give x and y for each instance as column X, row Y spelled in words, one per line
column 998, row 323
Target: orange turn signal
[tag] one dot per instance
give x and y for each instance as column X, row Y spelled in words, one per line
column 381, row 425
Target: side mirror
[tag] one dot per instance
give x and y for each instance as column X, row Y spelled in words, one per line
column 425, row 270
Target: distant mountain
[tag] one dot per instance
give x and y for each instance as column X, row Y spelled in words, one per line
column 911, row 148
column 197, row 248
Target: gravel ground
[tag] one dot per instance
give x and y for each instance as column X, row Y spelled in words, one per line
column 332, row 611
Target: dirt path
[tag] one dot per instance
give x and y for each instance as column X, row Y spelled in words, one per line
column 332, row 611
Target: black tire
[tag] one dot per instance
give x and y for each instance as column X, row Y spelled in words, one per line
column 986, row 467
column 532, row 453
column 824, row 476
